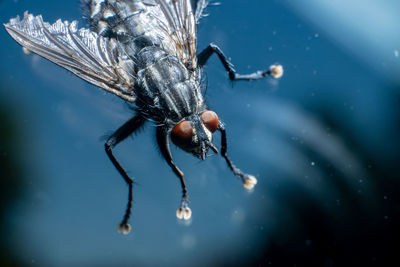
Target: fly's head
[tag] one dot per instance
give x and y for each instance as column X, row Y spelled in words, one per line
column 194, row 134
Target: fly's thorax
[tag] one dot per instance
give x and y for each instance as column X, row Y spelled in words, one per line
column 147, row 55
column 194, row 134
column 167, row 90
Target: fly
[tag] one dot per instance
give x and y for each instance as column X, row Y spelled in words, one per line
column 143, row 51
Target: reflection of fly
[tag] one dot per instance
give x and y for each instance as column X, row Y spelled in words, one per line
column 143, row 51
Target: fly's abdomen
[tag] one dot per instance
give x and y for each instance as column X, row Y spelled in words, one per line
column 131, row 22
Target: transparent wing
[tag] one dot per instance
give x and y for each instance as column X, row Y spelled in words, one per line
column 179, row 23
column 94, row 58
column 200, row 6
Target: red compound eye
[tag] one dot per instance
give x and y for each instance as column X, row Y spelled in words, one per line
column 210, row 120
column 182, row 133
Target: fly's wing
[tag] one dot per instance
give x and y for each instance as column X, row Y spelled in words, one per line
column 178, row 21
column 170, row 24
column 200, row 6
column 94, row 58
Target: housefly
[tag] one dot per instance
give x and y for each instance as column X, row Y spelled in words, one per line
column 143, row 51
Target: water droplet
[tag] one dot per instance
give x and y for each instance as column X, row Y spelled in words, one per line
column 312, row 163
column 396, row 53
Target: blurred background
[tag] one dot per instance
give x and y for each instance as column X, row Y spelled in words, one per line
column 323, row 142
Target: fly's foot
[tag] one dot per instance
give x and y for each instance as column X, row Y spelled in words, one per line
column 249, row 181
column 276, row 71
column 124, row 228
column 184, row 212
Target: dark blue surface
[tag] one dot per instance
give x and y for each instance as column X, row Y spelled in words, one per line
column 322, row 141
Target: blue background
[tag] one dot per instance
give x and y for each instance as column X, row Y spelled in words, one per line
column 323, row 142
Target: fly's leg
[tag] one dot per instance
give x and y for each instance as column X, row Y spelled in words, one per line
column 123, row 132
column 275, row 71
column 249, row 181
column 183, row 212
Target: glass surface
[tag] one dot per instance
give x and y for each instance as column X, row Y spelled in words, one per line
column 323, row 142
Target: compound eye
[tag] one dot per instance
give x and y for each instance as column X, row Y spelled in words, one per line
column 182, row 132
column 210, row 120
